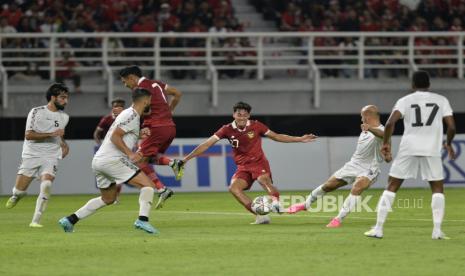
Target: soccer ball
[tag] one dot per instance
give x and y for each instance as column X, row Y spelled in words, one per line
column 261, row 205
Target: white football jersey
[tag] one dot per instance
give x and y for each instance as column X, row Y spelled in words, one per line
column 129, row 122
column 423, row 113
column 43, row 120
column 367, row 154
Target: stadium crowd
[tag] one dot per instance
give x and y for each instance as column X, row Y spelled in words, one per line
column 80, row 16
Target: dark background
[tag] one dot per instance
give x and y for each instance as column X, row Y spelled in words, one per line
column 205, row 126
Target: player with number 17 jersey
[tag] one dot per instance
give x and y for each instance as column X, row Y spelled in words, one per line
column 247, row 146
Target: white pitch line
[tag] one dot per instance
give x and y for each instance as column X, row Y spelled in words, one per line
column 297, row 216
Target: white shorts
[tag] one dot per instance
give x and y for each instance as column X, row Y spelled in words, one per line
column 116, row 171
column 36, row 167
column 406, row 166
column 349, row 173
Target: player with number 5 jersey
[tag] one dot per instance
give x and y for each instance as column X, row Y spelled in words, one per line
column 423, row 113
column 245, row 137
column 161, row 125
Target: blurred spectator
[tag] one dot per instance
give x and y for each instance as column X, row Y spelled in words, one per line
column 67, row 71
column 230, row 59
column 291, row 18
column 219, row 27
column 166, row 21
column 30, row 75
column 168, row 46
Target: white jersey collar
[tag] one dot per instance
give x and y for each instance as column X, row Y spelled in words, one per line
column 234, row 125
column 140, row 80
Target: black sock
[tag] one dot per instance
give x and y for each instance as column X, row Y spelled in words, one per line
column 143, row 218
column 73, row 219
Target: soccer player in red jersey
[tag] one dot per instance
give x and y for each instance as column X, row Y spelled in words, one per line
column 161, row 125
column 117, row 106
column 244, row 135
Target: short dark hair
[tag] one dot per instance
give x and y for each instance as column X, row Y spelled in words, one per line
column 130, row 70
column 242, row 105
column 55, row 90
column 119, row 101
column 420, row 79
column 140, row 93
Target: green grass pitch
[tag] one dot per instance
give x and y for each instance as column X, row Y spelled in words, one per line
column 210, row 234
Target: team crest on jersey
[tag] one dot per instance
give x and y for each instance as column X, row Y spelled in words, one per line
column 251, row 134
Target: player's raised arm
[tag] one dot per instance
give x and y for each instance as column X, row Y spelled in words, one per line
column 284, row 138
column 450, row 123
column 378, row 132
column 117, row 140
column 201, row 148
column 175, row 96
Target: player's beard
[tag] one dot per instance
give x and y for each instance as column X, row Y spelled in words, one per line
column 147, row 109
column 59, row 106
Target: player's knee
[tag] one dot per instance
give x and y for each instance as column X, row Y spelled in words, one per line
column 357, row 189
column 108, row 200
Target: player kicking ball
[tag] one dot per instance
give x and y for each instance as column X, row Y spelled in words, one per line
column 245, row 137
column 420, row 149
column 114, row 164
column 43, row 146
column 361, row 171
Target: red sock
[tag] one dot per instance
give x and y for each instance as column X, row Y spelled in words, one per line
column 163, row 160
column 148, row 170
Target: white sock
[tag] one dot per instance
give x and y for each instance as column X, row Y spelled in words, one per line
column 313, row 196
column 384, row 206
column 42, row 200
column 348, row 206
column 437, row 206
column 145, row 201
column 91, row 207
column 18, row 193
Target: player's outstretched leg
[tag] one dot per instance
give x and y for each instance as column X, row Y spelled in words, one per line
column 15, row 197
column 19, row 190
column 237, row 188
column 360, row 184
column 267, row 184
column 67, row 223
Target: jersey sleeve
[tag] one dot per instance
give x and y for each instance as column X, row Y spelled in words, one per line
column 66, row 120
column 262, row 128
column 399, row 106
column 129, row 122
column 447, row 109
column 32, row 117
column 222, row 132
column 162, row 84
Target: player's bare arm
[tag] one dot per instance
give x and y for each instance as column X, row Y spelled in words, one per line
column 117, row 140
column 376, row 131
column 97, row 132
column 64, row 148
column 388, row 130
column 201, row 148
column 450, row 123
column 284, row 138
column 32, row 135
column 175, row 97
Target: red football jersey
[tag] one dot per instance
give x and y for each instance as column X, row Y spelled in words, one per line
column 246, row 143
column 161, row 112
column 105, row 124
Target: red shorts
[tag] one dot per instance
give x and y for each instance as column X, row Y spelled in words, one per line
column 159, row 140
column 250, row 173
